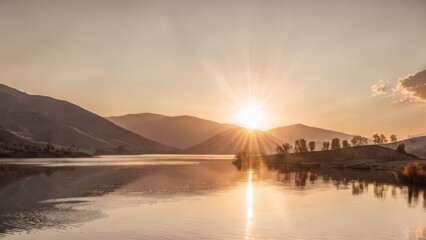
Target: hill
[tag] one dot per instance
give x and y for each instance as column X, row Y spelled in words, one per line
column 45, row 119
column 7, row 137
column 14, row 146
column 361, row 157
column 236, row 139
column 180, row 131
column 291, row 133
column 416, row 145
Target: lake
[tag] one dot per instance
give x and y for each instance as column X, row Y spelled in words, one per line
column 201, row 197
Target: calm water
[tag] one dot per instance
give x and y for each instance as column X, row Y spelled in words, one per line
column 200, row 197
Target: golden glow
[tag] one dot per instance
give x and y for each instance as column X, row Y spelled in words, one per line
column 249, row 204
column 250, row 197
column 252, row 117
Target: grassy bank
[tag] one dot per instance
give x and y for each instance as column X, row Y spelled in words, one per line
column 361, row 157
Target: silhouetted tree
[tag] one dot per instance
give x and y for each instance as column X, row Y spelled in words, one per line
column 401, row 148
column 312, row 146
column 359, row 141
column 284, row 149
column 393, row 138
column 325, row 146
column 346, row 144
column 376, row 138
column 335, row 144
column 383, row 138
column 300, row 145
column 49, row 147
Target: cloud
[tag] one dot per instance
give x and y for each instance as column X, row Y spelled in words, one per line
column 413, row 87
column 381, row 89
column 409, row 89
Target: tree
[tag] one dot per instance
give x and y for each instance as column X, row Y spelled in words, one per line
column 401, row 148
column 50, row 147
column 346, row 144
column 300, row 145
column 359, row 141
column 393, row 138
column 383, row 138
column 284, row 149
column 335, row 144
column 312, row 146
column 325, row 146
column 376, row 138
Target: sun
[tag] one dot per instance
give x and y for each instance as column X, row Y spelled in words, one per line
column 251, row 117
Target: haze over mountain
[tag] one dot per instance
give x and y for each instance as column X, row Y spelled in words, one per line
column 291, row 133
column 236, row 139
column 205, row 136
column 59, row 122
column 179, row 131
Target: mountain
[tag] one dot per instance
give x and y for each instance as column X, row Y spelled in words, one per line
column 416, row 145
column 236, row 139
column 15, row 146
column 291, row 133
column 180, row 131
column 13, row 139
column 45, row 119
column 200, row 135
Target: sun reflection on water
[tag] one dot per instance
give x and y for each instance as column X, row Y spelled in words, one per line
column 249, row 204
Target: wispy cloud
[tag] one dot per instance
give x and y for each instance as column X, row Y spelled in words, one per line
column 381, row 89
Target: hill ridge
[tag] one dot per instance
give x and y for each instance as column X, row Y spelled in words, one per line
column 61, row 122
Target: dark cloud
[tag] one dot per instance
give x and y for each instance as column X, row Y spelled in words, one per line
column 413, row 87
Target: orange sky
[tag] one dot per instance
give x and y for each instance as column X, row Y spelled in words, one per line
column 305, row 62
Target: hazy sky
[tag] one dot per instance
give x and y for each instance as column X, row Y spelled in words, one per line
column 312, row 62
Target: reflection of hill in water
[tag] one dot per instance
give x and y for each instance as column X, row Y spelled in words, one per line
column 382, row 183
column 36, row 197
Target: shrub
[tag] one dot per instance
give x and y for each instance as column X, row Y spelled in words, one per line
column 413, row 173
column 401, row 148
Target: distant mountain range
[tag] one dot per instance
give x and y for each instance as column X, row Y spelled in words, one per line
column 291, row 133
column 181, row 131
column 38, row 120
column 235, row 139
column 45, row 119
column 195, row 135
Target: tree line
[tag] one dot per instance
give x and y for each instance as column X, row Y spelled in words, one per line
column 301, row 145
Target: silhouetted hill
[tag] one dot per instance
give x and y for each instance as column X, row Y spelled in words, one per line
column 59, row 122
column 236, row 139
column 291, row 133
column 416, row 145
column 367, row 152
column 362, row 157
column 180, row 131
